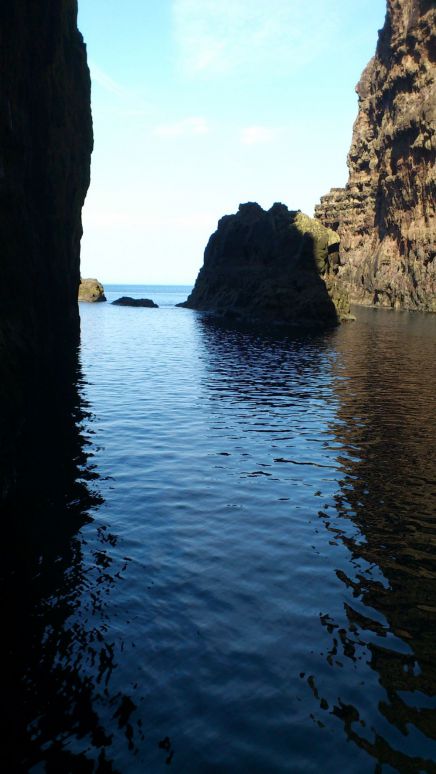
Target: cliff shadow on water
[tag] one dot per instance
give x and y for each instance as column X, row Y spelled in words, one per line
column 54, row 574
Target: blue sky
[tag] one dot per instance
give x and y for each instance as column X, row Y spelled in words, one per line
column 199, row 105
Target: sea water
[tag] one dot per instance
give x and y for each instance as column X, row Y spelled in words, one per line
column 253, row 585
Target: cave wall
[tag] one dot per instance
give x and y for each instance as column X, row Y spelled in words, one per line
column 45, row 149
column 385, row 216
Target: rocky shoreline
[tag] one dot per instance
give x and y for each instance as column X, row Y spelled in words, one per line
column 378, row 247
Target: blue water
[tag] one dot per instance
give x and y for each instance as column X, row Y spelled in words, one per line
column 256, row 589
column 163, row 295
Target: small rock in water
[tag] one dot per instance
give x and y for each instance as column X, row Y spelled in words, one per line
column 91, row 290
column 127, row 301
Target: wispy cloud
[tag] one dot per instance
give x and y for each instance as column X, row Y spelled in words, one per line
column 253, row 135
column 219, row 36
column 125, row 101
column 194, row 125
column 107, row 83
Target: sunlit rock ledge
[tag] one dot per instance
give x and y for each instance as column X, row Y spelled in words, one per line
column 275, row 266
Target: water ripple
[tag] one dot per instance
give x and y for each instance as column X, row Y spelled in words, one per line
column 267, row 601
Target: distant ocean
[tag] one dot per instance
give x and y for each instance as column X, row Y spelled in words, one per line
column 163, row 295
column 255, row 591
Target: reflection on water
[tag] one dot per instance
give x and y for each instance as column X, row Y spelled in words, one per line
column 56, row 659
column 382, row 375
column 386, row 430
column 230, row 566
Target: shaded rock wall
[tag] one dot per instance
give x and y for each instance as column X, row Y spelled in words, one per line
column 385, row 216
column 272, row 266
column 45, row 147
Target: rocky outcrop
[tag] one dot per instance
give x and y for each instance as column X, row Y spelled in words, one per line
column 272, row 266
column 128, row 301
column 91, row 290
column 45, row 147
column 385, row 216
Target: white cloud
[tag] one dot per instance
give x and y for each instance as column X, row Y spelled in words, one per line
column 253, row 135
column 219, row 36
column 194, row 125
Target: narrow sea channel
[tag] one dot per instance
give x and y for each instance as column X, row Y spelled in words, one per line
column 251, row 584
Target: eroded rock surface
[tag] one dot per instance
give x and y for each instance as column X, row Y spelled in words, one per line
column 273, row 266
column 45, row 147
column 91, row 290
column 385, row 216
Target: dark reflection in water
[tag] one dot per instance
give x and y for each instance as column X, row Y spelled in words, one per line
column 386, row 430
column 382, row 376
column 229, row 566
column 56, row 658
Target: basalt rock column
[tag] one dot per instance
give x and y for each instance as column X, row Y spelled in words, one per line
column 45, row 148
column 385, row 216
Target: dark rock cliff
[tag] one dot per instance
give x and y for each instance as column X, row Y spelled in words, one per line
column 45, row 147
column 272, row 266
column 385, row 216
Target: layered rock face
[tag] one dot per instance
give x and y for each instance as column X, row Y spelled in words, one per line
column 385, row 216
column 45, row 147
column 272, row 266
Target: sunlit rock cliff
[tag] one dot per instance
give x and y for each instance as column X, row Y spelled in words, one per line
column 45, row 147
column 385, row 216
column 276, row 266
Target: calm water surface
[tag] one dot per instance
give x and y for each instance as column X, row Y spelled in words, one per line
column 251, row 582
